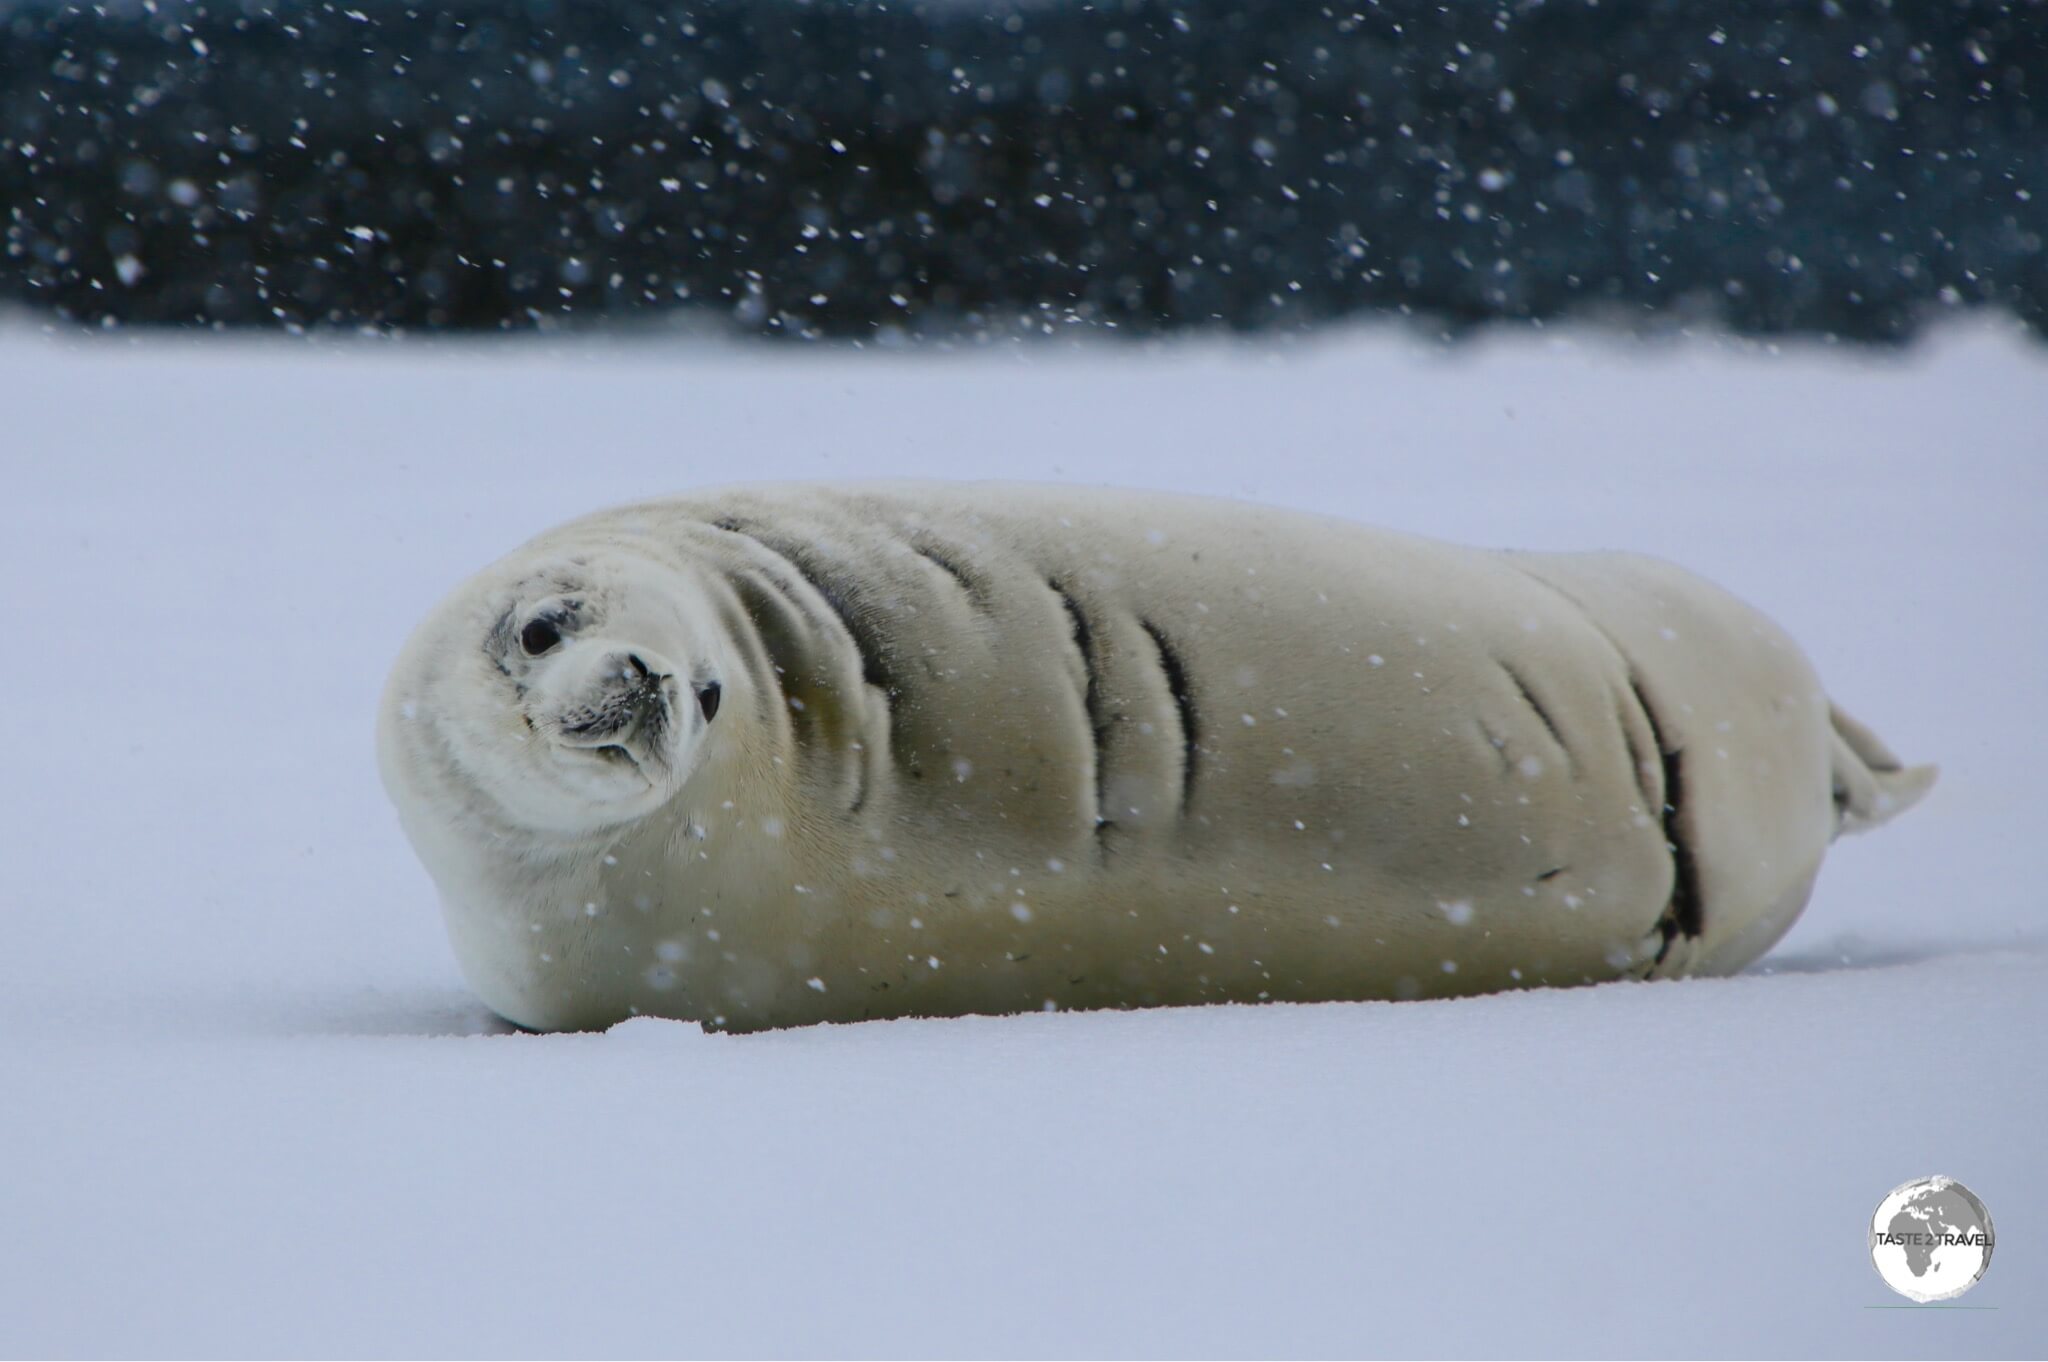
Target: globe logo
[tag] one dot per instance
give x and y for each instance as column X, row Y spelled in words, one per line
column 1931, row 1239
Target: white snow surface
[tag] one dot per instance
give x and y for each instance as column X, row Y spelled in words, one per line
column 247, row 1106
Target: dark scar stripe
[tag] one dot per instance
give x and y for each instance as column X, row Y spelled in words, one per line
column 1685, row 914
column 1497, row 743
column 776, row 636
column 821, row 710
column 1176, row 673
column 1638, row 767
column 737, row 614
column 1091, row 697
column 975, row 591
column 838, row 592
column 1529, row 699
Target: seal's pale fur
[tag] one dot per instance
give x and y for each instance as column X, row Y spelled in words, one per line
column 991, row 748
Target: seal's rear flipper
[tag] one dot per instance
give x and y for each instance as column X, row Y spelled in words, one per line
column 1871, row 785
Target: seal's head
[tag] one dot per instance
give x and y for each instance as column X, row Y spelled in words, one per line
column 553, row 697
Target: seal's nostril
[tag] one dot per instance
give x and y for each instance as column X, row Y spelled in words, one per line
column 638, row 668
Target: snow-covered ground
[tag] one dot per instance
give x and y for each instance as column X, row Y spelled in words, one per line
column 246, row 1105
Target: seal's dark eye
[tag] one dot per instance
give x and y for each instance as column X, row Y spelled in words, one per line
column 539, row 636
column 707, row 700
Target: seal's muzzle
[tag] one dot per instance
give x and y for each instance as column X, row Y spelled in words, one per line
column 625, row 708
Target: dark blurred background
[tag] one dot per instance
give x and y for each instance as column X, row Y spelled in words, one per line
column 878, row 170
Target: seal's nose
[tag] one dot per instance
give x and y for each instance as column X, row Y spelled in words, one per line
column 634, row 675
column 644, row 687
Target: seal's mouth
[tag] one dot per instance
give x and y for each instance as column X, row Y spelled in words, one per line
column 627, row 731
column 632, row 739
column 637, row 761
